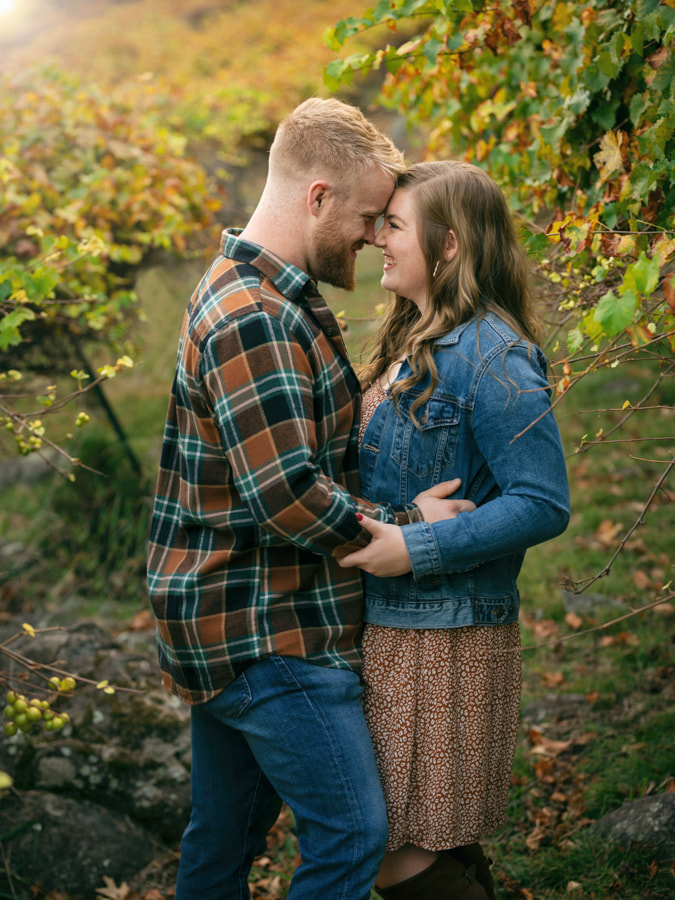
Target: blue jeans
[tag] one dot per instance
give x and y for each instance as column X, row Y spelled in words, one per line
column 284, row 730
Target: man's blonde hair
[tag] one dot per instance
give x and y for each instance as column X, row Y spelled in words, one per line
column 331, row 137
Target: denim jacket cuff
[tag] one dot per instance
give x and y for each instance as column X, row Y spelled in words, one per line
column 422, row 549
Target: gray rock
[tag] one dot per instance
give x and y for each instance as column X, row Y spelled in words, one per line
column 94, row 797
column 590, row 604
column 29, row 469
column 68, row 845
column 554, row 708
column 151, row 787
column 649, row 821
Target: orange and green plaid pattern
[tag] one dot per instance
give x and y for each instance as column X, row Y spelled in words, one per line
column 258, row 480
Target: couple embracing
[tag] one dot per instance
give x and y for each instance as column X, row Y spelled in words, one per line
column 295, row 503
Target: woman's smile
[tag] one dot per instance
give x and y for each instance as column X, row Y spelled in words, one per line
column 404, row 266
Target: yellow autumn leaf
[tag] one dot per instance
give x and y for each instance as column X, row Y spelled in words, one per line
column 29, row 629
column 608, row 159
column 6, row 781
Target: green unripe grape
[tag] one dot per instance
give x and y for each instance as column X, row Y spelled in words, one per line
column 23, row 723
column 11, row 697
column 34, row 714
column 44, row 704
column 57, row 723
column 48, row 725
column 55, row 681
column 11, row 728
column 49, row 714
column 68, row 684
column 20, row 705
column 10, row 712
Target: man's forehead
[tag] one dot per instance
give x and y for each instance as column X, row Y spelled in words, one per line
column 373, row 190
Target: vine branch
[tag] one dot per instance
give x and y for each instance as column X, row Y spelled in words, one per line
column 587, row 582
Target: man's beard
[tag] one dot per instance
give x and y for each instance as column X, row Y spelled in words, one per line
column 331, row 259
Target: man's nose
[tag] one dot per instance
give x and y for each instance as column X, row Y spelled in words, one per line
column 370, row 233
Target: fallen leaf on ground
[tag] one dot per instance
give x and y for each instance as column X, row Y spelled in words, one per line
column 606, row 532
column 624, row 638
column 545, row 746
column 664, row 609
column 142, row 621
column 112, row 891
column 641, row 580
column 574, row 621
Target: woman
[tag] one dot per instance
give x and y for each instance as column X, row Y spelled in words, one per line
column 456, row 387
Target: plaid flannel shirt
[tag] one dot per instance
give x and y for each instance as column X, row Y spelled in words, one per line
column 258, row 480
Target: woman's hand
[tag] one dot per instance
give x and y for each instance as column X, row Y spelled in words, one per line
column 386, row 554
column 434, row 506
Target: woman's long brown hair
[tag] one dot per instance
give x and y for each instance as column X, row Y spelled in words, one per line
column 489, row 271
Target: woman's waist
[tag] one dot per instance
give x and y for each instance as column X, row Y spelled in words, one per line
column 485, row 594
column 440, row 613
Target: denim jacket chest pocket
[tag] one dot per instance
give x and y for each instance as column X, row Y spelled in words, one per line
column 427, row 450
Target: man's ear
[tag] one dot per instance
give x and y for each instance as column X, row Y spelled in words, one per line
column 317, row 195
column 451, row 246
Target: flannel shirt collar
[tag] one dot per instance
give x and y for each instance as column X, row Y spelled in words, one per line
column 287, row 278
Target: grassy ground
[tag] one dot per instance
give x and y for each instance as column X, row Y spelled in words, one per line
column 589, row 696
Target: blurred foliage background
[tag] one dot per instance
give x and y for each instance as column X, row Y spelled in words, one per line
column 134, row 130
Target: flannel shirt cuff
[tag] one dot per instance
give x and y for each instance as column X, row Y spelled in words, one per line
column 408, row 514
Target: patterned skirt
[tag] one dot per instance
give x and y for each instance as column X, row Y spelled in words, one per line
column 443, row 708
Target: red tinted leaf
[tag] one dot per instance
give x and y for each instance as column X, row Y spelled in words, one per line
column 523, row 11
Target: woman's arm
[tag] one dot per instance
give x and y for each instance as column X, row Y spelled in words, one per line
column 515, row 433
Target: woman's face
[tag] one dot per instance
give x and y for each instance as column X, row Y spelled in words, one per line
column 405, row 270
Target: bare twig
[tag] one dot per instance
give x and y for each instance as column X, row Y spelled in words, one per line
column 587, row 582
column 40, row 669
column 603, row 626
column 635, row 440
column 8, row 873
column 639, row 405
column 19, row 634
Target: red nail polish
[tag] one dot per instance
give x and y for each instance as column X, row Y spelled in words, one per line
column 359, row 516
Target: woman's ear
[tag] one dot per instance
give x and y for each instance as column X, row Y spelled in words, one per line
column 450, row 246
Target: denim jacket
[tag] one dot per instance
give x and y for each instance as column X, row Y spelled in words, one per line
column 489, row 423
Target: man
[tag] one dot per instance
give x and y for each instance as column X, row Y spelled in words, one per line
column 258, row 626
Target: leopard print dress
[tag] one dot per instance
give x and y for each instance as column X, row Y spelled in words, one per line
column 443, row 708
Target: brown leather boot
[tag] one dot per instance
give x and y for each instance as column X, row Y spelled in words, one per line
column 445, row 879
column 473, row 855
